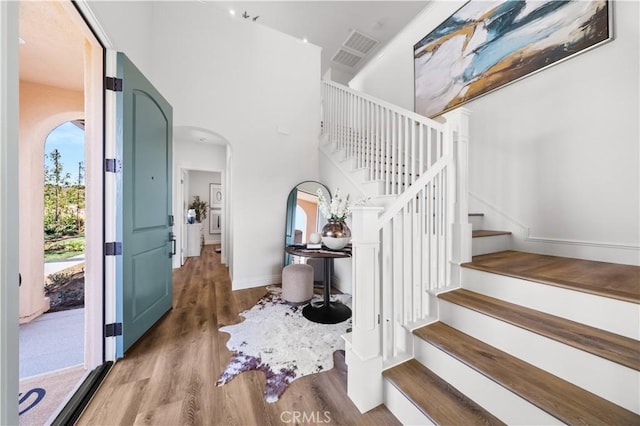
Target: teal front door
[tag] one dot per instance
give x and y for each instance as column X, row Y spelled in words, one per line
column 144, row 224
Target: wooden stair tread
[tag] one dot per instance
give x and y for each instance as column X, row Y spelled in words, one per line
column 616, row 348
column 561, row 399
column 435, row 398
column 611, row 280
column 486, row 233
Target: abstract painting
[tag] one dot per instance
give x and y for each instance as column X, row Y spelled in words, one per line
column 487, row 44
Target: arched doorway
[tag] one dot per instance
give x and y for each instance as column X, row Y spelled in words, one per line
column 203, row 151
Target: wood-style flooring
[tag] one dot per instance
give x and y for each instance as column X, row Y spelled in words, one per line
column 612, row 280
column 169, row 376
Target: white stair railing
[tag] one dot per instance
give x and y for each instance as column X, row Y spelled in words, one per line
column 403, row 257
column 395, row 145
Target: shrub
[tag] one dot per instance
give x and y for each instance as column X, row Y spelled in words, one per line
column 58, row 279
column 74, row 246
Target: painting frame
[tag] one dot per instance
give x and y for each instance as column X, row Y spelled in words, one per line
column 215, row 195
column 468, row 84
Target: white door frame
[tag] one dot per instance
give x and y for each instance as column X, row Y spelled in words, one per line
column 94, row 316
column 8, row 212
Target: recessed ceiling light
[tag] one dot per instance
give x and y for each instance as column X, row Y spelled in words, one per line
column 232, row 12
column 305, row 40
column 21, row 40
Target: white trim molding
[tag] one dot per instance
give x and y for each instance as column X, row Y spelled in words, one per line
column 591, row 250
column 9, row 215
column 251, row 282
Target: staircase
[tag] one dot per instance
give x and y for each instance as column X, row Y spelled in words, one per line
column 450, row 326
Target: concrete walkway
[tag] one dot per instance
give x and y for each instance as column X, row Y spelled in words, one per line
column 51, row 342
column 58, row 265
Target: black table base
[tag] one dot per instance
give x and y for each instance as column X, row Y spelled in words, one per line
column 332, row 313
column 329, row 312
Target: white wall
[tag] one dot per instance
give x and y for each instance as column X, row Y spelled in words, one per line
column 554, row 156
column 127, row 24
column 242, row 81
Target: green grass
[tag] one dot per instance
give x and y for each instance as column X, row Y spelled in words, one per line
column 63, row 249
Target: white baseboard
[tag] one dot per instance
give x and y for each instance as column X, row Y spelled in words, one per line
column 212, row 240
column 251, row 282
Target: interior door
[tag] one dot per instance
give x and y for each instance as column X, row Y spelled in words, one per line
column 144, row 145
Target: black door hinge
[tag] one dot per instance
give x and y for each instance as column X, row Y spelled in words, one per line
column 113, row 329
column 113, row 84
column 113, row 249
column 112, row 165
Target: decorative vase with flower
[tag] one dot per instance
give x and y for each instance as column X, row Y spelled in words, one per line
column 336, row 234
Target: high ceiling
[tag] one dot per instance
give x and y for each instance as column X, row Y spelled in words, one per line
column 53, row 48
column 328, row 24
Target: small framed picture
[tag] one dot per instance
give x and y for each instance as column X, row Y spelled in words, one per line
column 215, row 195
column 215, row 221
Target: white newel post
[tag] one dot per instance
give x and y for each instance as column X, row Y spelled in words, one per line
column 458, row 125
column 364, row 354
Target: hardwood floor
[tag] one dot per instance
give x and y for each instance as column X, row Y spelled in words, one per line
column 565, row 401
column 622, row 350
column 442, row 404
column 612, row 280
column 168, row 377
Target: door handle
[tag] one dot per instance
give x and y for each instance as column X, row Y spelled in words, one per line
column 172, row 240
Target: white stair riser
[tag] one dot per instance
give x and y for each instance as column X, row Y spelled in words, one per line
column 382, row 200
column 600, row 376
column 374, row 188
column 360, row 175
column 485, row 245
column 499, row 401
column 476, row 222
column 612, row 315
column 402, row 408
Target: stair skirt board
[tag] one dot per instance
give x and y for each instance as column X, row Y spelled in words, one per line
column 499, row 401
column 360, row 175
column 600, row 376
column 402, row 408
column 615, row 316
column 492, row 244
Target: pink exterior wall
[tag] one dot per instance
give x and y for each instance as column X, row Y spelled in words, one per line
column 42, row 109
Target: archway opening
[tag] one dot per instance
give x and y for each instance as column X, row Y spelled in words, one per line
column 64, row 218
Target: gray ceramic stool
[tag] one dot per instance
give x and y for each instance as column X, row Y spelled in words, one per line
column 297, row 283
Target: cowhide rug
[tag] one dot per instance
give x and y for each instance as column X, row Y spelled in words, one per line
column 275, row 338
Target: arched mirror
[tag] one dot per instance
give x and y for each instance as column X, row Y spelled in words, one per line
column 303, row 215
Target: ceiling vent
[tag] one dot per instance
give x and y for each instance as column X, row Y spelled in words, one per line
column 354, row 49
column 346, row 58
column 360, row 42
